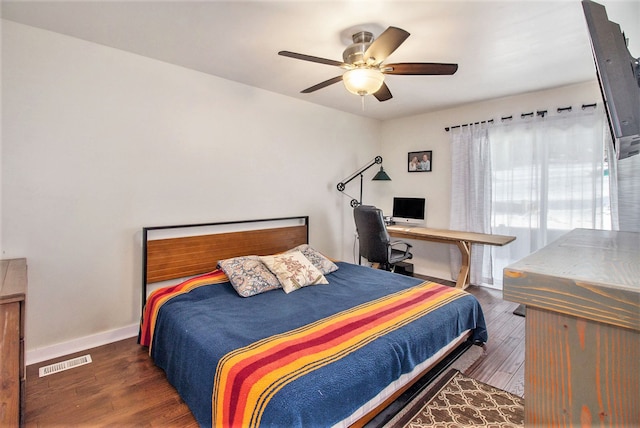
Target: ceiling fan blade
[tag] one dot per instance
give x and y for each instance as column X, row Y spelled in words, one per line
column 322, row 85
column 312, row 58
column 420, row 68
column 383, row 94
column 385, row 44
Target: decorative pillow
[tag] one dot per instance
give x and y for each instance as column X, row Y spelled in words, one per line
column 248, row 275
column 322, row 263
column 294, row 270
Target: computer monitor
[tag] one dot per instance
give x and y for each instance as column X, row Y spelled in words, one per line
column 408, row 210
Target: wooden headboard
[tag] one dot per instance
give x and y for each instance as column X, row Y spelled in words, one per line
column 182, row 256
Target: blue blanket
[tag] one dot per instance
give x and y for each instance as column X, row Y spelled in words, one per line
column 195, row 330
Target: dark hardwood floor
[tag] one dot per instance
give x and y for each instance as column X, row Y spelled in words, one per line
column 122, row 386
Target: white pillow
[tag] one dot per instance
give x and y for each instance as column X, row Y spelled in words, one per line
column 293, row 270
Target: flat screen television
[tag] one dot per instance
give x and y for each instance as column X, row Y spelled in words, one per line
column 619, row 76
column 408, row 210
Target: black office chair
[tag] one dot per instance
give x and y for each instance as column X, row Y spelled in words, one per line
column 375, row 243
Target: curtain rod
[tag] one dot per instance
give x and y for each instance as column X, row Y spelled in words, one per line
column 541, row 113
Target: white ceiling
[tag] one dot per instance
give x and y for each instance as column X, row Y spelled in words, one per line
column 502, row 47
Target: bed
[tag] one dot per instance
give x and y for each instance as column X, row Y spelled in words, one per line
column 333, row 352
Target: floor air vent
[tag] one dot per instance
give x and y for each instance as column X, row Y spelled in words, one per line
column 65, row 365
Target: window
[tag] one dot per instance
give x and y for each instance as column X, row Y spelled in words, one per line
column 547, row 176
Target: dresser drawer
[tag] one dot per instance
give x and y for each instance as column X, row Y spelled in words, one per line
column 10, row 366
column 13, row 289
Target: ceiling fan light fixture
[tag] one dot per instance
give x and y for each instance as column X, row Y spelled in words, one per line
column 363, row 81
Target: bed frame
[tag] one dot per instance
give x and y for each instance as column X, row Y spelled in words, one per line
column 183, row 256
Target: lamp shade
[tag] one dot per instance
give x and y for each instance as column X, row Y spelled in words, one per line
column 381, row 175
column 363, row 81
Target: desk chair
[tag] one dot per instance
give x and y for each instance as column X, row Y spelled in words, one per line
column 375, row 242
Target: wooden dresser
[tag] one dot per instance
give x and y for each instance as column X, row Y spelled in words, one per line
column 582, row 351
column 13, row 290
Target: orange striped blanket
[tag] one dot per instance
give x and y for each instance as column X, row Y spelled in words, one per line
column 246, row 379
column 160, row 296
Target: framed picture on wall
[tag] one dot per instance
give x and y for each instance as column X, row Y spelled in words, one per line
column 420, row 161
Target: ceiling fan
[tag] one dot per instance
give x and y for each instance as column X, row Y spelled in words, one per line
column 363, row 60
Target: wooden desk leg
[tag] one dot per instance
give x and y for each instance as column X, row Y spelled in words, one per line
column 463, row 276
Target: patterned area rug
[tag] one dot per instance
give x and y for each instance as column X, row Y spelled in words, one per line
column 459, row 401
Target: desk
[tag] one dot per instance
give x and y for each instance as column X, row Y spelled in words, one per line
column 582, row 329
column 462, row 240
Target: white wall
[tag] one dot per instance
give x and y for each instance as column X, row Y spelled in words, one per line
column 1, row 121
column 427, row 132
column 98, row 143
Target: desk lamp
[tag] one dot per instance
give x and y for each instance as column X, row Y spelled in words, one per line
column 380, row 175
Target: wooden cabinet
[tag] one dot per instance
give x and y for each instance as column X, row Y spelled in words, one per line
column 13, row 290
column 582, row 350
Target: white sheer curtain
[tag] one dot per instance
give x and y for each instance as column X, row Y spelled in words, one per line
column 543, row 177
column 471, row 194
